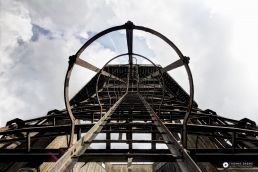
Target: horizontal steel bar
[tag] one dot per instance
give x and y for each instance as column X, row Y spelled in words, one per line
column 216, row 156
column 191, row 127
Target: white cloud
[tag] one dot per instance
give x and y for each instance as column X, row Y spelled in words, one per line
column 15, row 26
column 71, row 16
column 220, row 38
column 32, row 80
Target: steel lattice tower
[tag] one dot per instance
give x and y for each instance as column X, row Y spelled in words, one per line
column 128, row 100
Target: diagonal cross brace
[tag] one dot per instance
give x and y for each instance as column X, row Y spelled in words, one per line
column 70, row 157
column 91, row 67
column 169, row 67
column 184, row 161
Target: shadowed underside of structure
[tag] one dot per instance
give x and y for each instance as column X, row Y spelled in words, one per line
column 129, row 113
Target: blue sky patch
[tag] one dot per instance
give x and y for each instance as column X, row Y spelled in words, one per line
column 37, row 30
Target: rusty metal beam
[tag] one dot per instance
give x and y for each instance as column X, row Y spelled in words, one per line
column 72, row 154
column 169, row 67
column 184, row 161
column 129, row 37
column 93, row 68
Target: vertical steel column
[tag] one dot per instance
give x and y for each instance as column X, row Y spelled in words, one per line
column 129, row 35
column 108, row 137
column 28, row 142
column 153, row 137
column 79, row 134
column 129, row 134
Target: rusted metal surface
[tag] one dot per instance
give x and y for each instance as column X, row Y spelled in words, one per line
column 184, row 161
column 129, row 100
column 70, row 157
column 129, row 26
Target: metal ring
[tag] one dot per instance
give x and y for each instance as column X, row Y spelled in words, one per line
column 116, row 28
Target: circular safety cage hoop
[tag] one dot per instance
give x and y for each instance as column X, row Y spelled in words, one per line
column 121, row 86
column 129, row 27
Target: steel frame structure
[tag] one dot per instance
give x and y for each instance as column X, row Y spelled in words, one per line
column 130, row 99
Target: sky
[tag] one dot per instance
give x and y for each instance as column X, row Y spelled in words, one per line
column 37, row 38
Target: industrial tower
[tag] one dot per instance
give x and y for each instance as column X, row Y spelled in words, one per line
column 137, row 113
